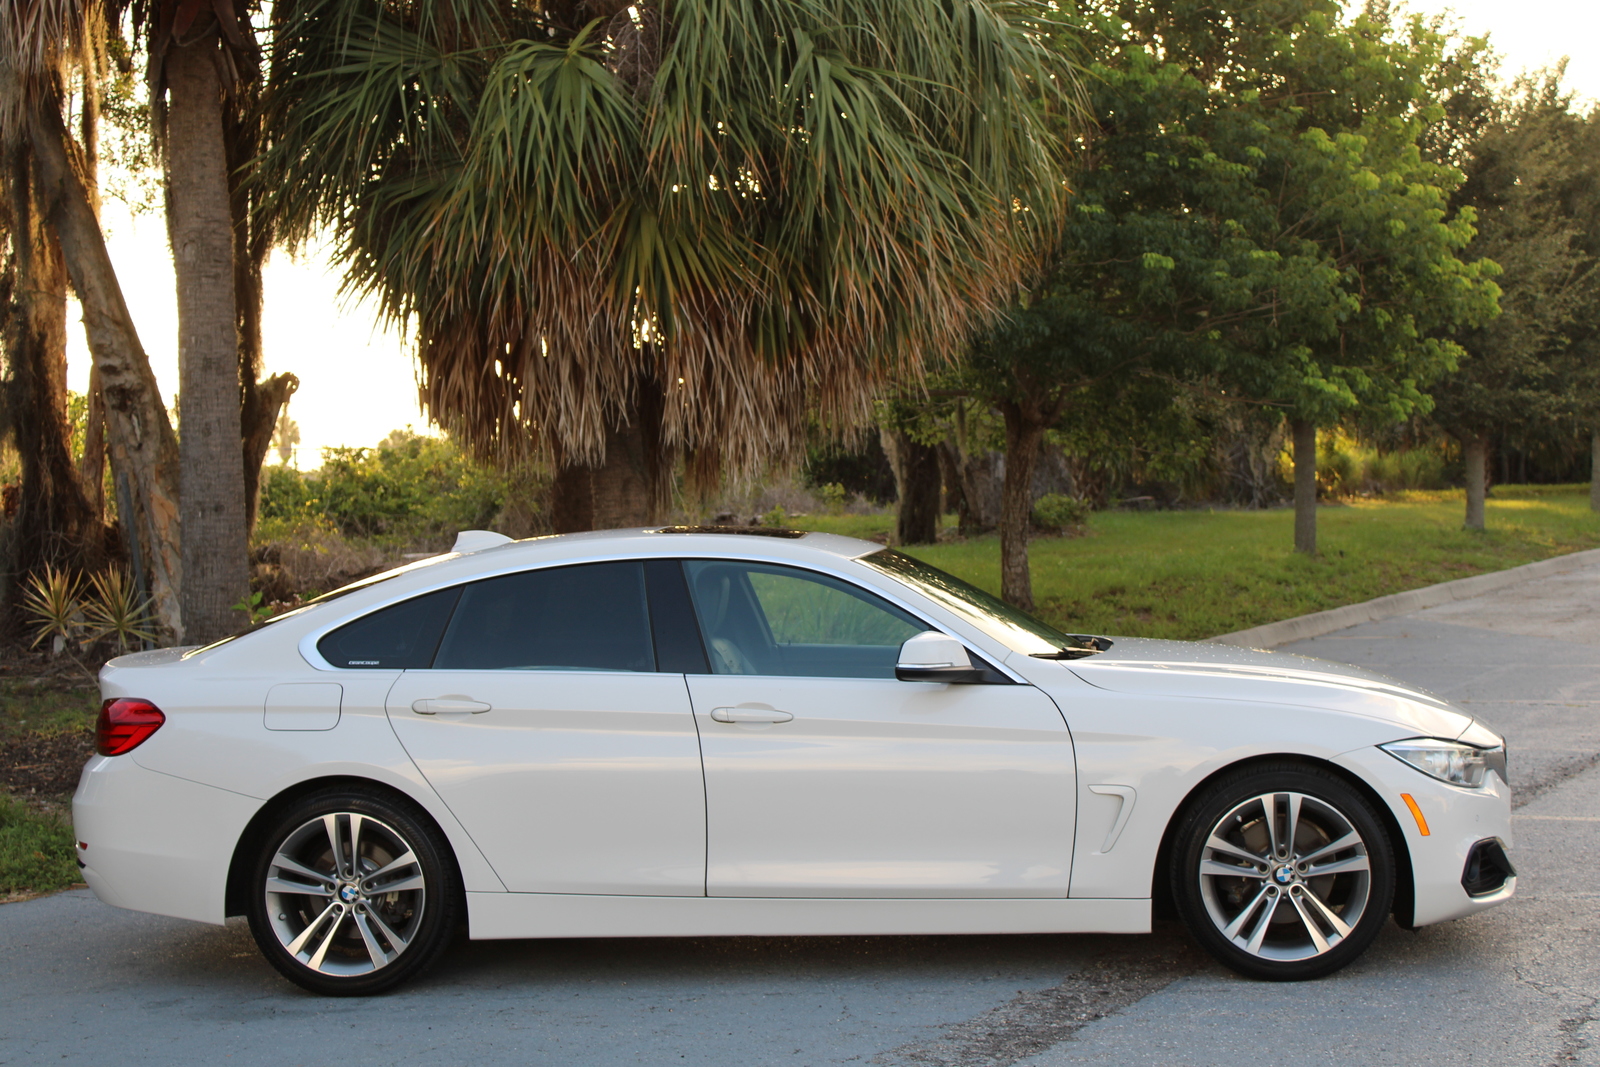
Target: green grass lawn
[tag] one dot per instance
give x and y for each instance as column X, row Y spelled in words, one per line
column 1197, row 573
column 36, row 853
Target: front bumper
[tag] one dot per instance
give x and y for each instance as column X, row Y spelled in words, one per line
column 156, row 843
column 1457, row 820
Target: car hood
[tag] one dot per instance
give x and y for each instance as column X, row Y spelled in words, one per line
column 1224, row 672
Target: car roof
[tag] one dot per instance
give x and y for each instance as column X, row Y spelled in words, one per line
column 679, row 540
column 595, row 545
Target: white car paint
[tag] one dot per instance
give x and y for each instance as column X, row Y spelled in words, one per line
column 879, row 788
column 1089, row 761
column 581, row 783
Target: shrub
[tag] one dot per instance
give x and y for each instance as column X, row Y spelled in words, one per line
column 408, row 487
column 1060, row 513
column 1417, row 468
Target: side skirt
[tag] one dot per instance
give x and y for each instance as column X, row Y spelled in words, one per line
column 518, row 915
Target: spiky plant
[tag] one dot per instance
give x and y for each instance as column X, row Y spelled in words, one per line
column 114, row 609
column 50, row 600
column 673, row 225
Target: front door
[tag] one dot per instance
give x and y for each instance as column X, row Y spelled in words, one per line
column 826, row 777
column 547, row 727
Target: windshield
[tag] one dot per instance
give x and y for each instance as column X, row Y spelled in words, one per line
column 1010, row 626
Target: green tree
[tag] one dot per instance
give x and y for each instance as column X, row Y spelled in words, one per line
column 1253, row 219
column 1355, row 218
column 626, row 233
column 1526, row 173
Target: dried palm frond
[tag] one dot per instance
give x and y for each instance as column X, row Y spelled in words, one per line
column 50, row 600
column 115, row 609
column 39, row 40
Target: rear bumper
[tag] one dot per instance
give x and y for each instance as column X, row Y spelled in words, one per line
column 156, row 843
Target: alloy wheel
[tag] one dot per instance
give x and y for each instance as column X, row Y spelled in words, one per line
column 1285, row 876
column 345, row 894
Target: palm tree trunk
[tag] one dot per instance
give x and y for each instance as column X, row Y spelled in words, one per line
column 1594, row 471
column 1023, row 437
column 200, row 223
column 630, row 486
column 1475, row 450
column 57, row 522
column 1304, row 434
column 142, row 445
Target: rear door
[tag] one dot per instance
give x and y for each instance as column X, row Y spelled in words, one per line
column 551, row 728
column 826, row 777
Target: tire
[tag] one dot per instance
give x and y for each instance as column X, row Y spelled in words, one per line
column 1275, row 906
column 337, row 933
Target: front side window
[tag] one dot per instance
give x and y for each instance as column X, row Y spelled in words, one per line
column 759, row 618
column 587, row 617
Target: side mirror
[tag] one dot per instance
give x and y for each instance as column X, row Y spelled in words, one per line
column 935, row 657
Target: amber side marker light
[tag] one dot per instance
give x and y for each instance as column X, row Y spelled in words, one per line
column 125, row 723
column 1416, row 813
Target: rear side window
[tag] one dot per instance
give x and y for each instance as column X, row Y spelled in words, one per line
column 588, row 617
column 402, row 636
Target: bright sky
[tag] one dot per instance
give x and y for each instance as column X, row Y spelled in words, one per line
column 358, row 381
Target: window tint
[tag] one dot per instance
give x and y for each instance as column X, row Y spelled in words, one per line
column 590, row 617
column 402, row 636
column 762, row 619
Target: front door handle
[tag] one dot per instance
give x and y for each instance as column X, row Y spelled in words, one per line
column 449, row 704
column 750, row 713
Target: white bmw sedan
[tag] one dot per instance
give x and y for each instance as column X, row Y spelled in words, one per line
column 702, row 731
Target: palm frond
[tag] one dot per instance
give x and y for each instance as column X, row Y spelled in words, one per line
column 783, row 203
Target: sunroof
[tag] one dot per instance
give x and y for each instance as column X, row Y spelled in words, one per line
column 753, row 531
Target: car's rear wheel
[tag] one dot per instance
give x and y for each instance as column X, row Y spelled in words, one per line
column 1283, row 872
column 352, row 893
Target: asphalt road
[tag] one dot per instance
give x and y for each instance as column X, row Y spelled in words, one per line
column 86, row 983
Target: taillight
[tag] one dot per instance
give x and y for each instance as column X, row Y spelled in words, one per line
column 125, row 723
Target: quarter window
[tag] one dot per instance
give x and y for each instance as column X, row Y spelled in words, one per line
column 402, row 636
column 589, row 617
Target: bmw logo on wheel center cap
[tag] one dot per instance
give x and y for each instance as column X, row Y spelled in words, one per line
column 348, row 893
column 1284, row 875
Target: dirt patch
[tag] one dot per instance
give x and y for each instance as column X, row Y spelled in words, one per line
column 44, row 764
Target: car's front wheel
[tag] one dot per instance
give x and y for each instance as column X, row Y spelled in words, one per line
column 1283, row 872
column 352, row 893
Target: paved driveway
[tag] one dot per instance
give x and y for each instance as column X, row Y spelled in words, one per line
column 86, row 983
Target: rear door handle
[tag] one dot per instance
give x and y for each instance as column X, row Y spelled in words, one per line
column 450, row 704
column 746, row 713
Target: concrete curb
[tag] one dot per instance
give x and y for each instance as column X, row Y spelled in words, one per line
column 1318, row 623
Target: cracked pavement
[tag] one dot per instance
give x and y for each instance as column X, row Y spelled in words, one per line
column 1519, row 985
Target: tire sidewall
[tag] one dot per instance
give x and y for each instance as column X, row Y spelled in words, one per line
column 1208, row 808
column 440, row 912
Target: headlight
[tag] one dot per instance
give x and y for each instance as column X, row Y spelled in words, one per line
column 1447, row 761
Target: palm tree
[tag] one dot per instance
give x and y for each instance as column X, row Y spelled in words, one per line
column 40, row 42
column 204, row 76
column 629, row 233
